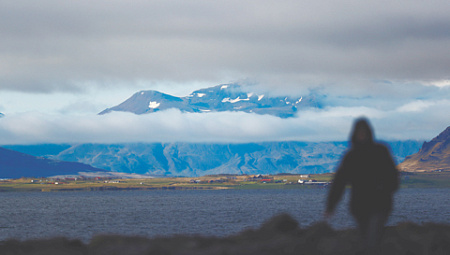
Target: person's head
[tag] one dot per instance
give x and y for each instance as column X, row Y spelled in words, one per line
column 362, row 132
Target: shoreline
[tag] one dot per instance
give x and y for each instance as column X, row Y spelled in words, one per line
column 216, row 182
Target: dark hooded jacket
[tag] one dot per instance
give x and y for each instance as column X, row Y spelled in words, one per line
column 370, row 170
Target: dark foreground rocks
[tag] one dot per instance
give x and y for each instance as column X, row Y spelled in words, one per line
column 279, row 235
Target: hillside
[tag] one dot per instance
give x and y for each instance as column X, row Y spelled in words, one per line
column 198, row 159
column 14, row 164
column 433, row 156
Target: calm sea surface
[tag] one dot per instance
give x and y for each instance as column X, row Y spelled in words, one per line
column 82, row 215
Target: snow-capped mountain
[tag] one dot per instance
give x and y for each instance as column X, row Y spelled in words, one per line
column 230, row 97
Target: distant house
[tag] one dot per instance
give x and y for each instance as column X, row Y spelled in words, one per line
column 99, row 178
column 313, row 182
column 258, row 177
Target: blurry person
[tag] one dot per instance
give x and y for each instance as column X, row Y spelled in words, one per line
column 370, row 171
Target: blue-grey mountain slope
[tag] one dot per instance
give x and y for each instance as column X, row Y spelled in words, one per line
column 189, row 159
column 15, row 164
column 220, row 98
column 39, row 150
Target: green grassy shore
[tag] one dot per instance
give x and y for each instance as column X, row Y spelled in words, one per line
column 408, row 180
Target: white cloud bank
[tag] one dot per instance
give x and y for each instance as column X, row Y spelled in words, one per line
column 415, row 120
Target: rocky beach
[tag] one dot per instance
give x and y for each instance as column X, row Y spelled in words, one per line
column 279, row 235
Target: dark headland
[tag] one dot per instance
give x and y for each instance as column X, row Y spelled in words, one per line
column 279, row 235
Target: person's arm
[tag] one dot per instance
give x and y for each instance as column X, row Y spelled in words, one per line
column 337, row 188
column 392, row 172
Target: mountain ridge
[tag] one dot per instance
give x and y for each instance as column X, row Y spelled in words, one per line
column 198, row 159
column 15, row 164
column 225, row 97
column 433, row 155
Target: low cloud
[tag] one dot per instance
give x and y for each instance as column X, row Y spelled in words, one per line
column 423, row 121
column 398, row 111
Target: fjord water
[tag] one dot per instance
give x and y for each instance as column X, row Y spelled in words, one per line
column 81, row 215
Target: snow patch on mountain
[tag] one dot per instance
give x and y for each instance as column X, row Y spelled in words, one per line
column 154, row 105
column 234, row 100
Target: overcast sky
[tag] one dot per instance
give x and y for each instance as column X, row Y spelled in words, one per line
column 61, row 62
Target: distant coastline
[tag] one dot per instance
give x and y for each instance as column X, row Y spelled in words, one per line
column 212, row 182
